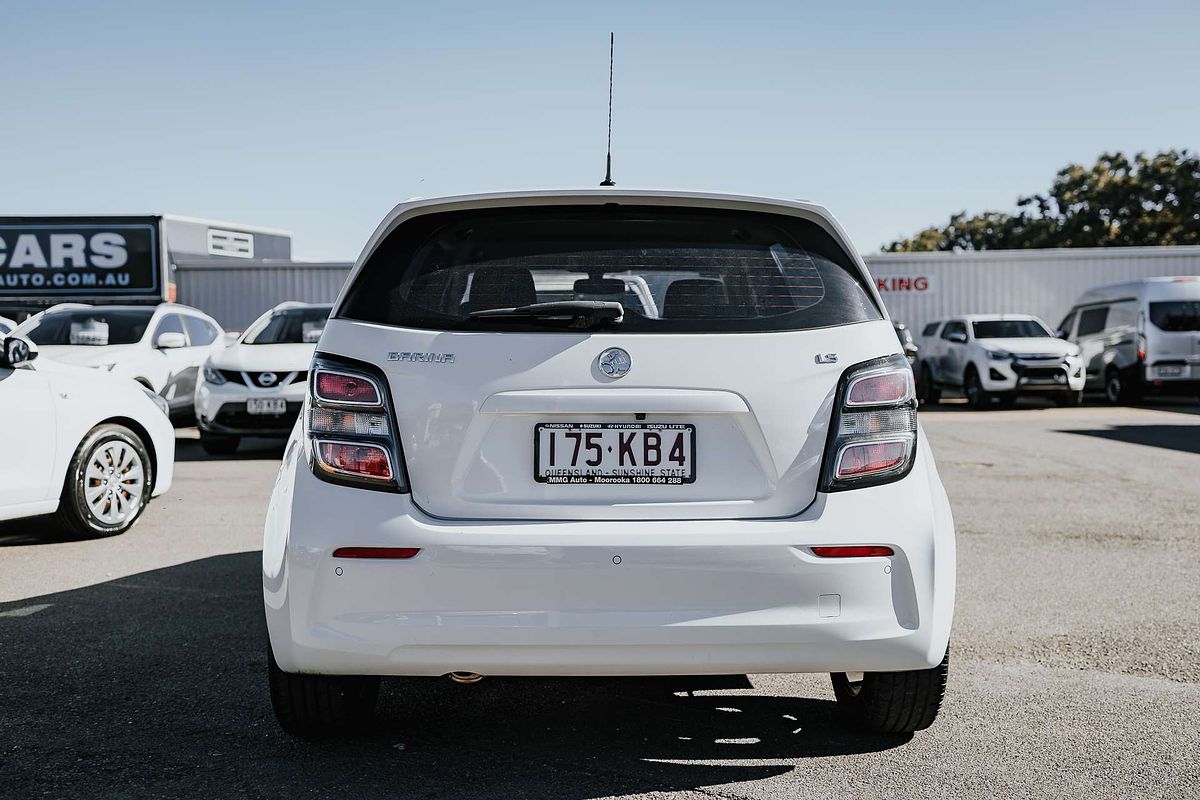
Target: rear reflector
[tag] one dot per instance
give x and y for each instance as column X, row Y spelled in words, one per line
column 363, row 460
column 337, row 387
column 857, row 551
column 376, row 552
column 871, row 457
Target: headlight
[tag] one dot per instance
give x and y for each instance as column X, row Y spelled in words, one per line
column 213, row 376
column 999, row 355
column 158, row 401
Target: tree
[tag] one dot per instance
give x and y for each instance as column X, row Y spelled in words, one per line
column 1117, row 202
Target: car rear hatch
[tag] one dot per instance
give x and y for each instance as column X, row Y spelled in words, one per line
column 710, row 398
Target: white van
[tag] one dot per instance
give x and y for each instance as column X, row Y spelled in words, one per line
column 1141, row 337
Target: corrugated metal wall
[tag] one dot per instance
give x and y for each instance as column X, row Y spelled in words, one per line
column 921, row 287
column 236, row 294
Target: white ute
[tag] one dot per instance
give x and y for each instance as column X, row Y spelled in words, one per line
column 997, row 357
column 256, row 385
column 726, row 476
column 92, row 448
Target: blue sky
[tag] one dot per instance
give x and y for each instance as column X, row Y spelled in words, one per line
column 318, row 118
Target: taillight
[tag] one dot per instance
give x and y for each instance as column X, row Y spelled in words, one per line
column 873, row 432
column 350, row 427
column 1141, row 336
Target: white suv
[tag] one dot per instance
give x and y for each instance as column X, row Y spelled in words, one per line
column 255, row 386
column 484, row 483
column 997, row 357
column 161, row 347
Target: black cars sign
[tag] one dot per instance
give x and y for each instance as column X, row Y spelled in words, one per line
column 79, row 257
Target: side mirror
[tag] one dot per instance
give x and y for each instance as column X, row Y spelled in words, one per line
column 1060, row 333
column 15, row 352
column 170, row 340
column 958, row 337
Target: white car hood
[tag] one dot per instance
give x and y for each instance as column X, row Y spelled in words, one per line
column 1031, row 345
column 262, row 357
column 86, row 355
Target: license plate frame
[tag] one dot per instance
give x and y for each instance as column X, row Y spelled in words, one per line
column 266, row 406
column 658, row 478
column 1171, row 370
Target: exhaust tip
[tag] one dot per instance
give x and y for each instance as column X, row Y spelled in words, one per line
column 466, row 677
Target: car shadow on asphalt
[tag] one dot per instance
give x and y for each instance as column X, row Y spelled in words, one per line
column 250, row 449
column 156, row 684
column 1184, row 438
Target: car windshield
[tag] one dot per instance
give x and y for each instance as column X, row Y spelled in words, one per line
column 95, row 327
column 1178, row 315
column 1009, row 329
column 289, row 326
column 672, row 271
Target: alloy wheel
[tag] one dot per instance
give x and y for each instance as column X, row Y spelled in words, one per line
column 114, row 481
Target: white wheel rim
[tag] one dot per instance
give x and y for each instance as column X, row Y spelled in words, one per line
column 113, row 480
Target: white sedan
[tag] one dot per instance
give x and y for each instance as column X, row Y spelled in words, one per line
column 161, row 347
column 93, row 448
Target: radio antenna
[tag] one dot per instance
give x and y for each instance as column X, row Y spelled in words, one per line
column 608, row 181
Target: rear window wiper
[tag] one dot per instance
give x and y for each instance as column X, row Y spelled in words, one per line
column 578, row 313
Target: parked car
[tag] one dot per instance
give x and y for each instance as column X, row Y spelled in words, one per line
column 904, row 335
column 1140, row 337
column 161, row 347
column 488, row 484
column 93, row 449
column 998, row 357
column 256, row 386
column 7, row 325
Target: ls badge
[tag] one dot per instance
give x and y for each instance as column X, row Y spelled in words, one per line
column 827, row 358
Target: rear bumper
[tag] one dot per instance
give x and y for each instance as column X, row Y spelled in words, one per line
column 606, row 598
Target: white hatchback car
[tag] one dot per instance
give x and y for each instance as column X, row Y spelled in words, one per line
column 256, row 386
column 92, row 448
column 161, row 347
column 484, row 483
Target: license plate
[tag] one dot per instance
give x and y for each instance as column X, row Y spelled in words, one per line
column 614, row 452
column 1171, row 371
column 266, row 405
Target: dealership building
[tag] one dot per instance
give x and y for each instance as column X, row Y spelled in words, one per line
column 235, row 272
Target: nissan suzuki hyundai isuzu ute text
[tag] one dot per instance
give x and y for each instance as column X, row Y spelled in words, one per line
column 608, row 432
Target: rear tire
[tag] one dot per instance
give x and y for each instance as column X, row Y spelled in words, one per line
column 977, row 397
column 108, row 483
column 892, row 702
column 928, row 390
column 314, row 706
column 1118, row 390
column 217, row 445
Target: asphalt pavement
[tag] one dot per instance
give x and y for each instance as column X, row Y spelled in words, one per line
column 135, row 666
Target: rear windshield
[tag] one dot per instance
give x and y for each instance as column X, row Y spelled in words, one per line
column 1178, row 315
column 92, row 326
column 289, row 326
column 1009, row 329
column 673, row 271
